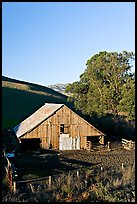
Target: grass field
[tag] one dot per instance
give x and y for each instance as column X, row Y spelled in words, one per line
column 21, row 99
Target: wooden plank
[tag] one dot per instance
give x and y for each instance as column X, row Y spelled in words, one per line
column 32, row 180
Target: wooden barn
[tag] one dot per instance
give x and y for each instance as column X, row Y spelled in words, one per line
column 56, row 126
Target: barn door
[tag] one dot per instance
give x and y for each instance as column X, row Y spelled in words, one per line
column 68, row 143
column 65, row 142
column 76, row 143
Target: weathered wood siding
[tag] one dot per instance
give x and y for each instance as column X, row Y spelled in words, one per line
column 49, row 130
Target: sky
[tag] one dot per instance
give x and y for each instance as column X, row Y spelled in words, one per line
column 50, row 42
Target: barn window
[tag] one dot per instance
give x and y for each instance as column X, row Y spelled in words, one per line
column 61, row 128
column 64, row 129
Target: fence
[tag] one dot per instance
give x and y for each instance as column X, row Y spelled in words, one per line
column 49, row 180
column 128, row 144
column 9, row 173
column 33, row 181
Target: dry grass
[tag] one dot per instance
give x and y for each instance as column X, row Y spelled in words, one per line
column 15, row 85
column 90, row 185
column 67, row 188
column 80, row 177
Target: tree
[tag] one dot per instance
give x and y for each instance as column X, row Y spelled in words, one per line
column 127, row 103
column 106, row 86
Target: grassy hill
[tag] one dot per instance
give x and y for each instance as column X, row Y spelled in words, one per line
column 20, row 99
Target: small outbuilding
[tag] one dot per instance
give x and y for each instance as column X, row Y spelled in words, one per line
column 58, row 127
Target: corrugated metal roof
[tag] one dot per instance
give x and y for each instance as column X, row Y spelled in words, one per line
column 36, row 118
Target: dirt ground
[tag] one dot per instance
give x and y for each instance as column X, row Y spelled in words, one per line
column 104, row 158
column 30, row 165
column 37, row 164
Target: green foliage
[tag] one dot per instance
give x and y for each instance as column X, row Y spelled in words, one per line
column 101, row 88
column 127, row 103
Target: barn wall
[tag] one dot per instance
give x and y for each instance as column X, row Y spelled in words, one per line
column 83, row 143
column 49, row 130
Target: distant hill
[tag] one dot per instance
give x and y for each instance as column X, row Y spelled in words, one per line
column 59, row 87
column 20, row 99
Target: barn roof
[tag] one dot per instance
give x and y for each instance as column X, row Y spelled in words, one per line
column 39, row 116
column 36, row 118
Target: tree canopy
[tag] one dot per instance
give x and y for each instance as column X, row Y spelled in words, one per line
column 106, row 86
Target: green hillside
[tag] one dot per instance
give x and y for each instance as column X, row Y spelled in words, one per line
column 20, row 99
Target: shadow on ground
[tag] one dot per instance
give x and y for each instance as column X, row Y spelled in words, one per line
column 29, row 166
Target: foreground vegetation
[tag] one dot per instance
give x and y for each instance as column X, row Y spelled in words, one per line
column 91, row 185
column 79, row 176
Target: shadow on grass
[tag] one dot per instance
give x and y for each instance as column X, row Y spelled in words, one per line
column 78, row 162
column 30, row 166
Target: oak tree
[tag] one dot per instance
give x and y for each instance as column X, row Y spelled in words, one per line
column 106, row 86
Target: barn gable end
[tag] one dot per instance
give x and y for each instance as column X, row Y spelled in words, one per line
column 57, row 126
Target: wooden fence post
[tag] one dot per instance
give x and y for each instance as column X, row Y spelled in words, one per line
column 77, row 174
column 14, row 186
column 108, row 145
column 130, row 144
column 49, row 181
column 32, row 188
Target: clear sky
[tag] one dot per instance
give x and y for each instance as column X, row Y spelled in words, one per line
column 50, row 42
